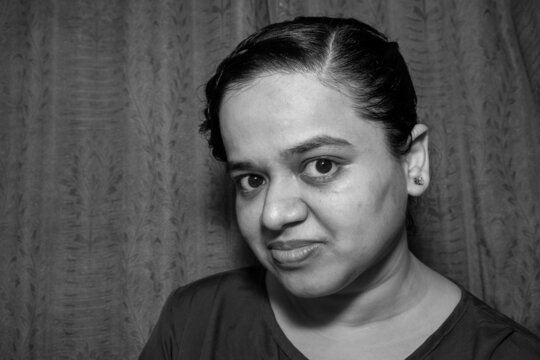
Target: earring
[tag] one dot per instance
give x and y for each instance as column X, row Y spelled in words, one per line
column 419, row 180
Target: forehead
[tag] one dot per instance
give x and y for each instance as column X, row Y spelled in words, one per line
column 282, row 110
column 285, row 82
column 282, row 98
column 285, row 92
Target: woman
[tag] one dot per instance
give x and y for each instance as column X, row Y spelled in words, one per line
column 316, row 121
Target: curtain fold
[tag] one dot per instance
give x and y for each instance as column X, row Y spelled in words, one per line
column 109, row 198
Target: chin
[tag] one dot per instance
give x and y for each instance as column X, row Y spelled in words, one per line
column 308, row 286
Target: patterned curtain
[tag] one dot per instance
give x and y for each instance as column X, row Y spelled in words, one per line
column 109, row 198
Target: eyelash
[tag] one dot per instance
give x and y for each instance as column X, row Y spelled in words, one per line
column 238, row 181
column 317, row 179
column 322, row 177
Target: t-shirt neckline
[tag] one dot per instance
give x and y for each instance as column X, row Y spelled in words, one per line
column 424, row 349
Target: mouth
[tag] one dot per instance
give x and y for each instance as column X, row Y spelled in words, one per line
column 293, row 252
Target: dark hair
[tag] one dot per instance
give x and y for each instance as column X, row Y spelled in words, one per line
column 344, row 53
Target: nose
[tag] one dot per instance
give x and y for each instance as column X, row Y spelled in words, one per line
column 283, row 206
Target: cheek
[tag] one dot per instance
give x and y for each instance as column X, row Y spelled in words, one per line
column 363, row 201
column 247, row 218
column 386, row 189
column 346, row 200
column 338, row 211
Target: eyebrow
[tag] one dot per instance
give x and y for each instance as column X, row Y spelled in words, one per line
column 305, row 146
column 238, row 165
column 314, row 143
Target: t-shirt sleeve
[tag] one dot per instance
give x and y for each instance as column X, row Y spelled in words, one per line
column 162, row 345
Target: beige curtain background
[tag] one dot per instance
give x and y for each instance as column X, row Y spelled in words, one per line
column 109, row 198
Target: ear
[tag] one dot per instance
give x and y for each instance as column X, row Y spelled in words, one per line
column 416, row 161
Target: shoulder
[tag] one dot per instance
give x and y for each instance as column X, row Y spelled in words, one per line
column 221, row 288
column 236, row 277
column 223, row 282
column 494, row 335
column 204, row 312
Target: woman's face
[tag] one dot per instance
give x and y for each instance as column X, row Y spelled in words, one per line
column 319, row 198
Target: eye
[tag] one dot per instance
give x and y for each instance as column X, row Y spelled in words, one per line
column 321, row 169
column 249, row 182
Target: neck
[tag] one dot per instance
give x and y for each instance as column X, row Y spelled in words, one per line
column 391, row 288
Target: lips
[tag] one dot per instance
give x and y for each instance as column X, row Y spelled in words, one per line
column 293, row 252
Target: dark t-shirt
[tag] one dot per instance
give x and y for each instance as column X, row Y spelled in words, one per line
column 228, row 316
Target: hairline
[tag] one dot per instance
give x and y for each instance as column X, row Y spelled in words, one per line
column 323, row 75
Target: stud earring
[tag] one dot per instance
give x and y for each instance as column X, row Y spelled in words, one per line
column 419, row 180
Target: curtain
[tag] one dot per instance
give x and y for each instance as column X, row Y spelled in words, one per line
column 109, row 198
